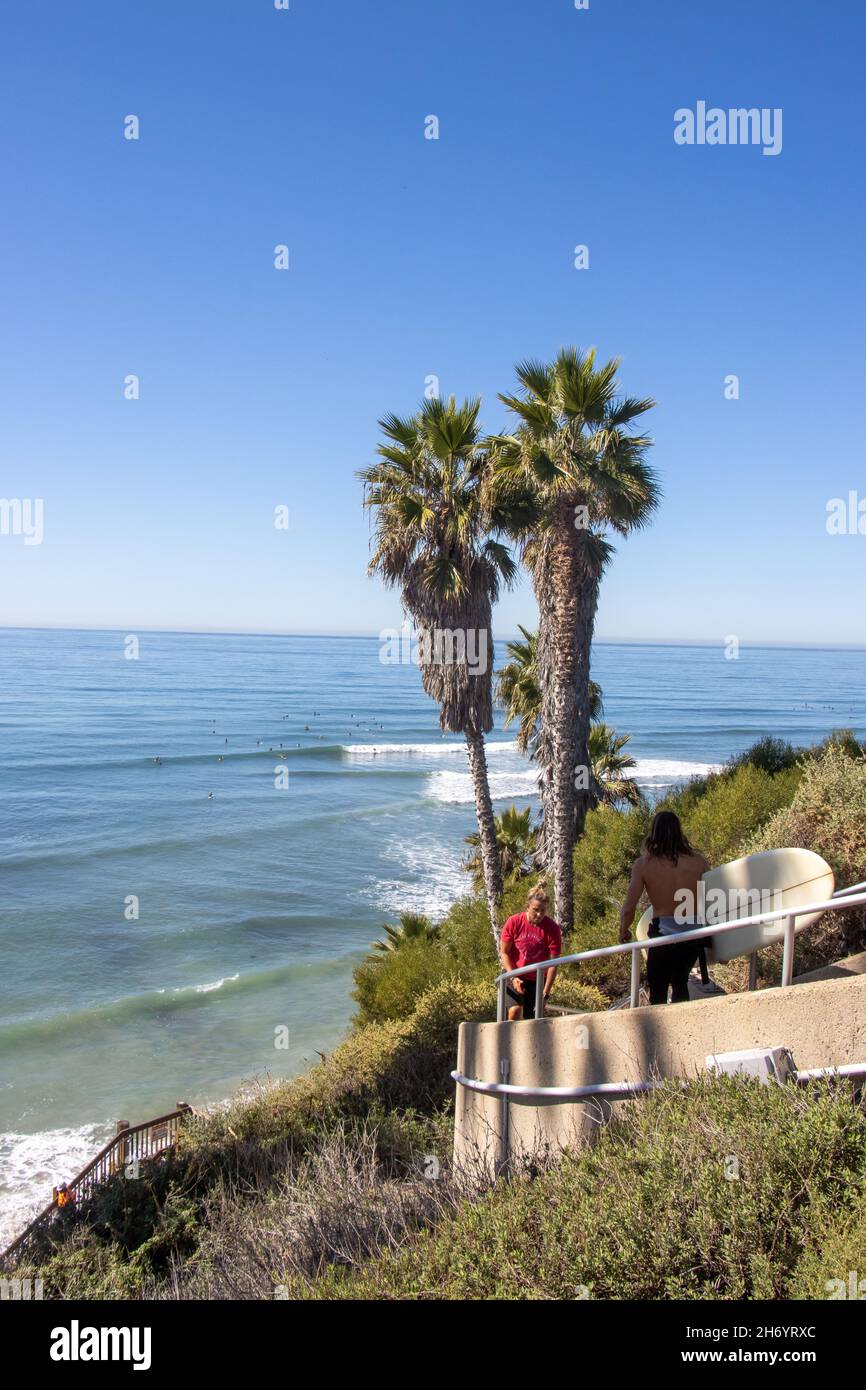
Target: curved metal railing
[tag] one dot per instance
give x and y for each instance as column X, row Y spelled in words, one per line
column 842, row 900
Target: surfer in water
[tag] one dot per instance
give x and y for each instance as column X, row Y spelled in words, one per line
column 668, row 871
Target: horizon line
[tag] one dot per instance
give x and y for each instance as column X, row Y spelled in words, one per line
column 349, row 634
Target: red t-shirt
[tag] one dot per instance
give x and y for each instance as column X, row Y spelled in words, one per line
column 532, row 941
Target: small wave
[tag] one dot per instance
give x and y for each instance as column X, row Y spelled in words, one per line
column 204, row 989
column 668, row 772
column 457, row 788
column 53, row 1027
column 146, row 760
column 421, row 750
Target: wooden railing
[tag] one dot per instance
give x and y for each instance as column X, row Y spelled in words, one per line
column 131, row 1145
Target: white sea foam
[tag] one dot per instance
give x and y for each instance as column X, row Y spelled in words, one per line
column 667, row 772
column 433, row 878
column 417, row 751
column 32, row 1164
column 456, row 787
column 209, row 988
column 652, row 773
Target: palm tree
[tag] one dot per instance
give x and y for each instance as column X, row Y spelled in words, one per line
column 574, row 446
column 519, row 691
column 609, row 764
column 515, row 841
column 412, row 927
column 436, row 541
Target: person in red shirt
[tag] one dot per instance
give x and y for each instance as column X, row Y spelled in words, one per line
column 528, row 938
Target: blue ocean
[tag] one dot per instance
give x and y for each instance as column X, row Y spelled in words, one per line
column 200, row 835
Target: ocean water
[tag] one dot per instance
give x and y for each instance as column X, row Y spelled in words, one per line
column 164, row 924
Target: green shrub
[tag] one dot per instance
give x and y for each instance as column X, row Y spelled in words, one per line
column 573, row 993
column 835, row 1254
column 827, row 815
column 734, row 807
column 769, row 754
column 388, row 984
column 709, row 1194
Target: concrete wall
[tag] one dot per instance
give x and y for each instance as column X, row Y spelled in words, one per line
column 823, row 1023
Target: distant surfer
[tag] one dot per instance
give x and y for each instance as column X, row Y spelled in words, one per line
column 668, row 871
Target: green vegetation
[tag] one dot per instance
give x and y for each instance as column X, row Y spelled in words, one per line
column 516, row 847
column 720, row 1194
column 338, row 1184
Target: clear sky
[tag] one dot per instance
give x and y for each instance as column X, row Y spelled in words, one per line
column 411, row 257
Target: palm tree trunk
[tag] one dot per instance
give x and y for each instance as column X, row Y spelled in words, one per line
column 583, row 631
column 486, row 829
column 567, row 595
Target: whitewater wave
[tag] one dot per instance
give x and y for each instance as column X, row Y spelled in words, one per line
column 669, row 772
column 421, row 750
column 433, row 878
column 32, row 1164
column 653, row 774
column 204, row 989
column 456, row 787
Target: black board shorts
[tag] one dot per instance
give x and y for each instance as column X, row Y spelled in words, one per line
column 527, row 998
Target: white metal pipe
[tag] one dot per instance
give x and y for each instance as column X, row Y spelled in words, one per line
column 819, row 1073
column 611, row 1089
column 788, row 952
column 621, row 1090
column 539, row 991
column 634, row 992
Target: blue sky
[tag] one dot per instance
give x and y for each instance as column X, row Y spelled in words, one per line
column 411, row 257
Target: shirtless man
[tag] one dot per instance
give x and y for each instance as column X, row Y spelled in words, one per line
column 668, row 871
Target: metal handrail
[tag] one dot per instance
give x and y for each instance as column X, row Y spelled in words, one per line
column 621, row 1090
column 131, row 1144
column 843, row 899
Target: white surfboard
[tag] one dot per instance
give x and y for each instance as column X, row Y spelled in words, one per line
column 769, row 881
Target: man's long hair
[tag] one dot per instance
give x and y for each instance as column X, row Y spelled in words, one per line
column 666, row 839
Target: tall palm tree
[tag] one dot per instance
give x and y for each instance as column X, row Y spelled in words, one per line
column 575, row 446
column 515, row 842
column 436, row 541
column 518, row 689
column 610, row 786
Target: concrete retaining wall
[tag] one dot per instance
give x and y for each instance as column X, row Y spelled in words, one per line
column 823, row 1023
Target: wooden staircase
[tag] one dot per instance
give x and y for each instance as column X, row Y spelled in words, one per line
column 131, row 1145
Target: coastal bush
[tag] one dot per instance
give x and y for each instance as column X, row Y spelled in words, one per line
column 388, row 985
column 713, row 1193
column 834, row 1264
column 336, row 1206
column 734, row 807
column 392, row 1076
column 827, row 815
column 602, row 864
column 769, row 754
column 573, row 993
